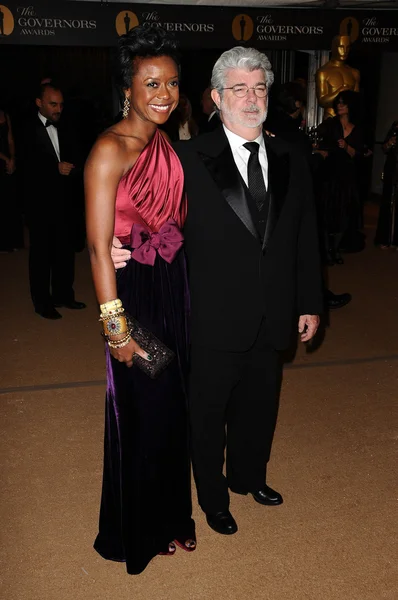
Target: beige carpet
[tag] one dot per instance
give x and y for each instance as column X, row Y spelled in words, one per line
column 334, row 459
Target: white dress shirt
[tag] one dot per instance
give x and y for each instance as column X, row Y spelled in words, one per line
column 52, row 134
column 183, row 132
column 241, row 154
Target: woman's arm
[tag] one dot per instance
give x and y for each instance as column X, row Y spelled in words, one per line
column 102, row 174
column 356, row 145
column 104, row 169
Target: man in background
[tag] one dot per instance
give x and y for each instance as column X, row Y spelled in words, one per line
column 50, row 161
column 209, row 119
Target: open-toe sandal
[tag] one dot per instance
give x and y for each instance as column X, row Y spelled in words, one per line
column 171, row 551
column 189, row 544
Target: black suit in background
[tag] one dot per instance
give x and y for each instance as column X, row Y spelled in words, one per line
column 50, row 210
column 247, row 290
column 206, row 126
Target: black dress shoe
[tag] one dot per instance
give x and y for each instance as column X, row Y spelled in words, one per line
column 74, row 305
column 222, row 522
column 49, row 313
column 334, row 301
column 265, row 495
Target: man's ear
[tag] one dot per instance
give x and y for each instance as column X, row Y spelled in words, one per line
column 215, row 96
column 38, row 102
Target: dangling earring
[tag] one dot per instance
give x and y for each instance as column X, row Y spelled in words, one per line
column 126, row 107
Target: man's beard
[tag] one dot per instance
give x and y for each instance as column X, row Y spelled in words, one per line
column 239, row 117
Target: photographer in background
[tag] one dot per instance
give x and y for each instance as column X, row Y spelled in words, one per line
column 387, row 226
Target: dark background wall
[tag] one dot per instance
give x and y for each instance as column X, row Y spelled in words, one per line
column 85, row 75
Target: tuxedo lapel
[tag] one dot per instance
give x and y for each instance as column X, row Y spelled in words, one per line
column 278, row 182
column 62, row 135
column 221, row 165
column 44, row 139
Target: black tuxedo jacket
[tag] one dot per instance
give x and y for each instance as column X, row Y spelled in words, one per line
column 47, row 192
column 237, row 279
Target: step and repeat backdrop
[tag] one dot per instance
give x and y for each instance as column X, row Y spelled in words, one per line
column 60, row 23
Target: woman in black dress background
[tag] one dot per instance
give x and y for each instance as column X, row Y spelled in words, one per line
column 11, row 232
column 387, row 226
column 342, row 146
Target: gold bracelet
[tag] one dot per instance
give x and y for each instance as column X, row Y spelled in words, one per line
column 113, row 313
column 115, row 326
column 120, row 344
column 121, row 340
column 111, row 305
column 109, row 336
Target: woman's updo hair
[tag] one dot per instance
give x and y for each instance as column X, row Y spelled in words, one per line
column 142, row 42
column 352, row 100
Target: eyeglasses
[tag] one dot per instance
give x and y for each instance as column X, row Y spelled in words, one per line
column 241, row 91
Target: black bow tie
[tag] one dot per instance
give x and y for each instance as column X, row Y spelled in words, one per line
column 49, row 123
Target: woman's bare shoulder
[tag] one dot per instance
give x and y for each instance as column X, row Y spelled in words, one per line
column 111, row 148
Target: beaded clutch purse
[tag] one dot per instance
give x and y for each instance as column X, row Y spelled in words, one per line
column 160, row 353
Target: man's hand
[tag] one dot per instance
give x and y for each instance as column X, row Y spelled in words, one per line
column 119, row 255
column 307, row 326
column 65, row 168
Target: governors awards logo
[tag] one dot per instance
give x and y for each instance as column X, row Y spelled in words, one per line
column 350, row 27
column 125, row 21
column 6, row 21
column 242, row 28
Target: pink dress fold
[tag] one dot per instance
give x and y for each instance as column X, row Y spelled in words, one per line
column 152, row 191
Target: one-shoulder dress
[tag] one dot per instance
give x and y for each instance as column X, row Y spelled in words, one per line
column 146, row 492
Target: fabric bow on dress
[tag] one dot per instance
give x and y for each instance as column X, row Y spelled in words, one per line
column 146, row 243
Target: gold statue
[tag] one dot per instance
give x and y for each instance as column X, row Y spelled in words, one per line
column 335, row 76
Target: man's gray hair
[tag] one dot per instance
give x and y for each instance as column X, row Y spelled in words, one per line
column 239, row 57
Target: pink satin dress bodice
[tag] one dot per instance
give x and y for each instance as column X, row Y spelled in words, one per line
column 152, row 191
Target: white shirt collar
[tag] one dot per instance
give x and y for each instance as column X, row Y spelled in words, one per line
column 42, row 119
column 235, row 141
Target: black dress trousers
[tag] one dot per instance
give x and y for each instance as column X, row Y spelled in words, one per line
column 51, row 262
column 234, row 399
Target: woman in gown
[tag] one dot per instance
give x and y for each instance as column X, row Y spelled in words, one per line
column 337, row 187
column 134, row 189
column 387, row 225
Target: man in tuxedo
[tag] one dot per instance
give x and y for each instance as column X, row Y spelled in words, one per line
column 254, row 274
column 51, row 162
column 209, row 119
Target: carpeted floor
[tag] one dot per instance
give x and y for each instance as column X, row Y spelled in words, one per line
column 334, row 460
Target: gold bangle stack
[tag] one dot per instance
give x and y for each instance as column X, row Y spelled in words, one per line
column 120, row 343
column 114, row 323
